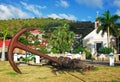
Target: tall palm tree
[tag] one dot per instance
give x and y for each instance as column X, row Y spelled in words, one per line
column 5, row 33
column 108, row 25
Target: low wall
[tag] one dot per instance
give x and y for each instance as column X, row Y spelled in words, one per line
column 72, row 56
column 106, row 57
column 117, row 57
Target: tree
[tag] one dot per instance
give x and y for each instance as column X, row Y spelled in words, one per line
column 5, row 33
column 108, row 25
column 62, row 39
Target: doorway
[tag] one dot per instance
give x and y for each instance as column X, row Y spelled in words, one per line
column 99, row 45
column 119, row 57
column 118, row 48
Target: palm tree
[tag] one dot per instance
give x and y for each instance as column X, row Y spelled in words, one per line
column 108, row 25
column 5, row 33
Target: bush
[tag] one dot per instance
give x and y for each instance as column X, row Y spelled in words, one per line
column 105, row 50
column 79, row 49
column 83, row 49
column 88, row 54
column 54, row 50
column 29, row 57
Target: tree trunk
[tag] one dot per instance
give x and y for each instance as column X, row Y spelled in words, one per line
column 3, row 51
column 108, row 37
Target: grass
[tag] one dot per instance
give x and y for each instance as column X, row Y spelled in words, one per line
column 45, row 74
column 96, row 68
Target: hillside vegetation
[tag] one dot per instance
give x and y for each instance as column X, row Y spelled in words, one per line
column 46, row 24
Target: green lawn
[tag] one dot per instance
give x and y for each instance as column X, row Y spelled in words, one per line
column 45, row 74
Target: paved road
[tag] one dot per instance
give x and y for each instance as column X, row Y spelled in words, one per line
column 105, row 63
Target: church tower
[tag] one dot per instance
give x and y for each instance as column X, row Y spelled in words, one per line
column 97, row 23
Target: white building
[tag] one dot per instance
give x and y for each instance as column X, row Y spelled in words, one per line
column 93, row 41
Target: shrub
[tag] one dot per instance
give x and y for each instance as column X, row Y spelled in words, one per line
column 54, row 50
column 105, row 50
column 83, row 49
column 88, row 54
column 79, row 49
column 29, row 57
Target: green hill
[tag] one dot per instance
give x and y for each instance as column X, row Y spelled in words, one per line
column 46, row 24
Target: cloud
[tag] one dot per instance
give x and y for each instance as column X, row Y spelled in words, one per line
column 89, row 17
column 83, row 20
column 54, row 16
column 91, row 3
column 62, row 3
column 117, row 3
column 63, row 16
column 33, row 8
column 118, row 12
column 9, row 11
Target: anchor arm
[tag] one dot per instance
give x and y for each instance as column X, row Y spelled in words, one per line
column 16, row 44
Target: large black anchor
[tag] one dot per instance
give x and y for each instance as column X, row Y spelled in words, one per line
column 16, row 44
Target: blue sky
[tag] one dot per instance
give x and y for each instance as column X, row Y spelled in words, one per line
column 78, row 10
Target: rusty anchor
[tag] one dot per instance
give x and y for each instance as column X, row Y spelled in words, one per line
column 62, row 62
column 16, row 44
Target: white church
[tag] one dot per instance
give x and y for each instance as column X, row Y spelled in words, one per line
column 93, row 41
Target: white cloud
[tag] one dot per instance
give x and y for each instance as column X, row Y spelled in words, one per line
column 83, row 20
column 118, row 12
column 54, row 16
column 9, row 11
column 89, row 17
column 117, row 3
column 62, row 3
column 92, row 3
column 63, row 16
column 33, row 8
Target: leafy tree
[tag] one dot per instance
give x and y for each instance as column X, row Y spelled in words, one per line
column 77, row 43
column 108, row 25
column 62, row 39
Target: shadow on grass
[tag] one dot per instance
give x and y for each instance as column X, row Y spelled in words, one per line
column 76, row 77
column 68, row 71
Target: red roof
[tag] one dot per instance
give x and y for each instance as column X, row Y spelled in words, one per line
column 7, row 42
column 0, row 43
column 36, row 31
